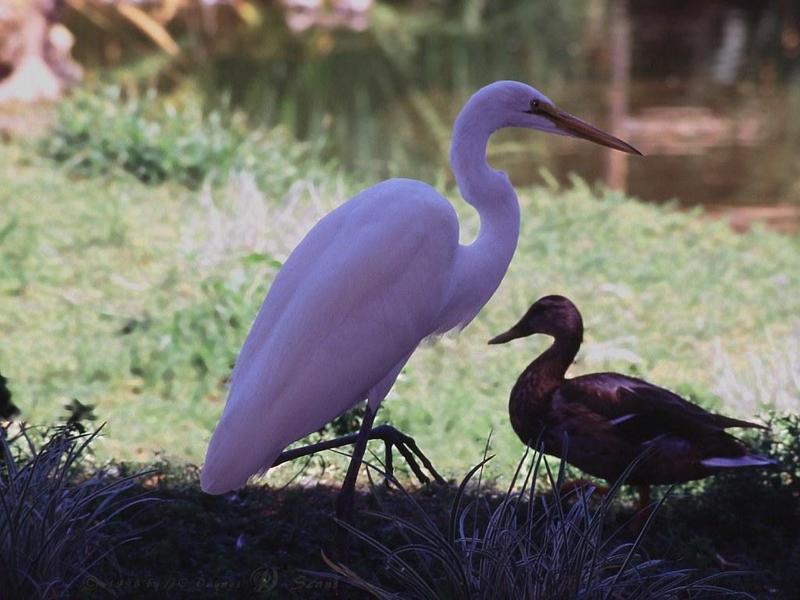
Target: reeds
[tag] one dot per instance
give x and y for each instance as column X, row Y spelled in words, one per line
column 525, row 544
column 58, row 524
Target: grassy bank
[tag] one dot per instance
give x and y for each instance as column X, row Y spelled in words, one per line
column 137, row 245
column 133, row 291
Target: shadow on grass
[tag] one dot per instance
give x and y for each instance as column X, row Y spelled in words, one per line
column 263, row 542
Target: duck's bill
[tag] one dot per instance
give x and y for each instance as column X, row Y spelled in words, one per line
column 509, row 335
column 576, row 127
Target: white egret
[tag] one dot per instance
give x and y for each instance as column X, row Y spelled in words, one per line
column 367, row 284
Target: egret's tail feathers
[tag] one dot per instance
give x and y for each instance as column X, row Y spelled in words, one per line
column 748, row 460
column 214, row 485
column 232, row 460
column 217, row 477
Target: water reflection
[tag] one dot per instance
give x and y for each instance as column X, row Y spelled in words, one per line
column 710, row 91
column 620, row 32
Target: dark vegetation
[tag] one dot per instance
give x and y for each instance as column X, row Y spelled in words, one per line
column 73, row 527
column 273, row 539
column 61, row 518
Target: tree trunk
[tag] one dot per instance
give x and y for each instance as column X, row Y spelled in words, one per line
column 34, row 52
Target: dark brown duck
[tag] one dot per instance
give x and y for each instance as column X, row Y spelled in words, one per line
column 609, row 419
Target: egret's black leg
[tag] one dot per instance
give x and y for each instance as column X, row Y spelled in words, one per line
column 412, row 463
column 344, row 503
column 388, row 463
column 406, row 445
column 295, row 453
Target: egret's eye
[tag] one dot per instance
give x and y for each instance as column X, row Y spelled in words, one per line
column 536, row 106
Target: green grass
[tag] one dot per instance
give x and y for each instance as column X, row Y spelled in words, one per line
column 136, row 297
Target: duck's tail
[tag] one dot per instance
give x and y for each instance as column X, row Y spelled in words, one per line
column 730, row 422
column 747, row 460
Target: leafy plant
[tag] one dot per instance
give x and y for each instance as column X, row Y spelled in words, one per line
column 57, row 524
column 7, row 408
column 77, row 413
column 523, row 545
column 98, row 133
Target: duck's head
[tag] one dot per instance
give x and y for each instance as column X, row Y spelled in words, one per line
column 555, row 316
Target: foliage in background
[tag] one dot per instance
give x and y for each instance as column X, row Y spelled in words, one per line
column 98, row 133
column 193, row 344
column 61, row 517
column 523, row 544
column 384, row 98
column 137, row 297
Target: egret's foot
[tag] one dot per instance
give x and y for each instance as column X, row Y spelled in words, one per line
column 390, row 436
column 405, row 444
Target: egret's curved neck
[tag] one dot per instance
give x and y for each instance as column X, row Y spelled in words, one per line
column 482, row 264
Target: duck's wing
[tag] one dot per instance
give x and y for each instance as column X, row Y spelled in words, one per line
column 640, row 411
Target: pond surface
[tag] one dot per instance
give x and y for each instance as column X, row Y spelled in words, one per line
column 709, row 91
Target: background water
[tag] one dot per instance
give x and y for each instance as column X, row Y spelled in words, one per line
column 709, row 91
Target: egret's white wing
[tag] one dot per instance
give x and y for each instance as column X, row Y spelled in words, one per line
column 351, row 302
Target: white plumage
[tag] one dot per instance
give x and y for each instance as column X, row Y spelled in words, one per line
column 301, row 366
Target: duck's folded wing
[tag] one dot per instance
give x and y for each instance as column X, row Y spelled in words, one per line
column 641, row 411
